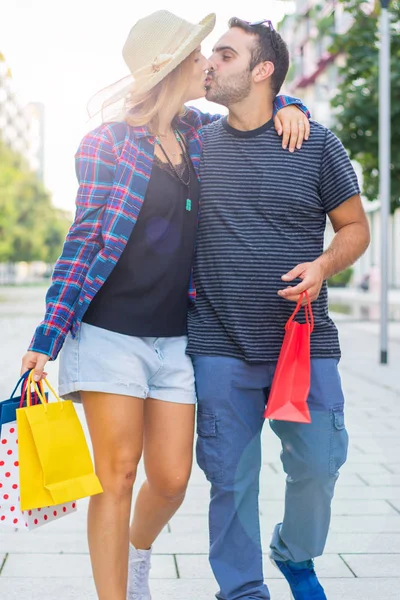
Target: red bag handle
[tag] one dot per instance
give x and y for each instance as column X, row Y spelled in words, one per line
column 307, row 309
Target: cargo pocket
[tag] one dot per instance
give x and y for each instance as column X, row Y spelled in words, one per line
column 339, row 442
column 208, row 451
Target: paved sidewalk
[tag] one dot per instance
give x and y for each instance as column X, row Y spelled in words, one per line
column 362, row 559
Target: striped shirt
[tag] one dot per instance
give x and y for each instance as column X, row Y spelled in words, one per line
column 263, row 211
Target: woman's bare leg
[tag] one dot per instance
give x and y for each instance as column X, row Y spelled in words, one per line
column 168, row 454
column 116, row 429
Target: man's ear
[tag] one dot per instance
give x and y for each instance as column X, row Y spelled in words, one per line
column 263, row 71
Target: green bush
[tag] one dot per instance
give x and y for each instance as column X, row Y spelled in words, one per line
column 31, row 227
column 341, row 279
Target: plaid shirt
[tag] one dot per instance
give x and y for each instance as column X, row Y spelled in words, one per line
column 113, row 166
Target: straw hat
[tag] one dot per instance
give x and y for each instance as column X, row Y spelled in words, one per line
column 155, row 45
column 158, row 43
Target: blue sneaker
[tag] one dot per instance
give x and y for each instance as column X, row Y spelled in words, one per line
column 302, row 579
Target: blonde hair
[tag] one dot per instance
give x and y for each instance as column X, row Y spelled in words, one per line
column 144, row 109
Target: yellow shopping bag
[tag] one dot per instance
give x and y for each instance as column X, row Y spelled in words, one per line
column 54, row 459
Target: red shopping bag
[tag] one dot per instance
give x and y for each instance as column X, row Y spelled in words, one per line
column 287, row 400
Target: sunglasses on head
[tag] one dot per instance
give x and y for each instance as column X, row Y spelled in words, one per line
column 264, row 22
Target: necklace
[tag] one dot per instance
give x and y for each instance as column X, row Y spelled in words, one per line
column 164, row 135
column 188, row 205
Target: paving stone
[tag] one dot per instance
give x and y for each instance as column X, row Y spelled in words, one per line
column 393, row 467
column 369, row 427
column 361, row 589
column 367, row 493
column 336, row 589
column 370, row 524
column 36, row 542
column 382, row 480
column 196, row 503
column 385, row 440
column 350, row 479
column 45, row 588
column 204, row 589
column 355, row 455
column 72, row 565
column 349, row 524
column 189, row 524
column 163, row 567
column 268, row 492
column 198, row 478
column 366, row 468
column 47, row 565
column 342, row 543
column 373, row 565
column 196, row 566
column 358, row 507
column 395, row 504
column 272, row 508
column 181, row 543
column 198, row 589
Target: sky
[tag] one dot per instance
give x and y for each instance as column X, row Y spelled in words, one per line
column 61, row 54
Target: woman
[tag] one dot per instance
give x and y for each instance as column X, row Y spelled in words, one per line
column 119, row 298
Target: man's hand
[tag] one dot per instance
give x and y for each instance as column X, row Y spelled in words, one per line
column 37, row 361
column 294, row 125
column 312, row 277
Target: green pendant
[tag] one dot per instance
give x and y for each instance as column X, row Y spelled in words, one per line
column 188, row 205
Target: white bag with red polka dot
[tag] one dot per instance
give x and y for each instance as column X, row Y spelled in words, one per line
column 10, row 512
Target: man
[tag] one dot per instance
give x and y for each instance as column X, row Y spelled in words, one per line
column 263, row 216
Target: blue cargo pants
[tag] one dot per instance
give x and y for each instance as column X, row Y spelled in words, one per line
column 232, row 396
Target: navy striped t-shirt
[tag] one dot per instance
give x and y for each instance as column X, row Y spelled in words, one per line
column 263, row 211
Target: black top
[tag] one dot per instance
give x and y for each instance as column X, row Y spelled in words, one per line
column 146, row 294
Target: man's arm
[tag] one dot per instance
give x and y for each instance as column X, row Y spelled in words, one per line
column 351, row 239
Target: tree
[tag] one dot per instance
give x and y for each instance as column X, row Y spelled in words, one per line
column 357, row 101
column 9, row 174
column 31, row 228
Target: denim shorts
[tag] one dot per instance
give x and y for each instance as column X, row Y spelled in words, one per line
column 98, row 360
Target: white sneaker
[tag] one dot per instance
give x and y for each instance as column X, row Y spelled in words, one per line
column 138, row 574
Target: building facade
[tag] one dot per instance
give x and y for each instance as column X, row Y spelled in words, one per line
column 314, row 69
column 21, row 127
column 314, row 77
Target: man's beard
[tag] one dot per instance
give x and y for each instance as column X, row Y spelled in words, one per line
column 234, row 90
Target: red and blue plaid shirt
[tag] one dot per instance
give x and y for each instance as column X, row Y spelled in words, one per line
column 113, row 166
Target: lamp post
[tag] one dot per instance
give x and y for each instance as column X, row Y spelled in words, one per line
column 384, row 170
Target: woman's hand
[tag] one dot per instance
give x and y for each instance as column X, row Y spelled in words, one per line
column 37, row 361
column 294, row 125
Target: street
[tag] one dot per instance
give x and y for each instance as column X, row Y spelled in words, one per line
column 362, row 558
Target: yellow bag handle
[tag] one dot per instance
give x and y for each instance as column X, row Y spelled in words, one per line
column 39, row 392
